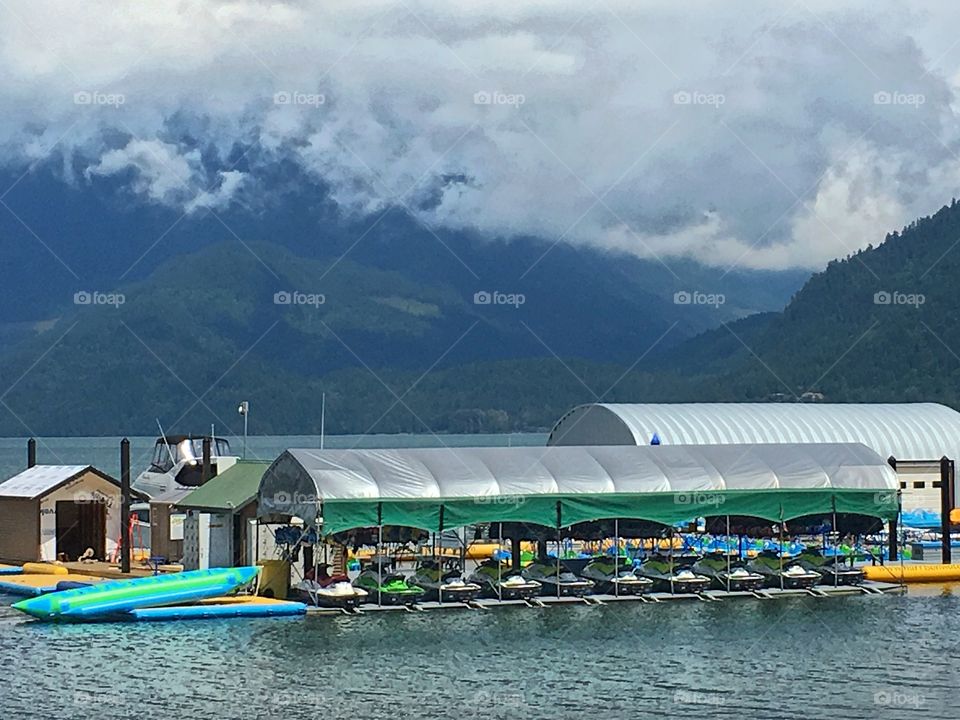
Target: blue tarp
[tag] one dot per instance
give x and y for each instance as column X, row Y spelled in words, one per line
column 921, row 519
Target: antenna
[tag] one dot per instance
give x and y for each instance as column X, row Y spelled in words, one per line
column 244, row 410
column 163, row 436
column 323, row 418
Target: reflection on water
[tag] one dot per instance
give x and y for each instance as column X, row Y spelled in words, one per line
column 855, row 657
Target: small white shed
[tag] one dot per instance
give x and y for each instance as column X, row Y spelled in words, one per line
column 58, row 511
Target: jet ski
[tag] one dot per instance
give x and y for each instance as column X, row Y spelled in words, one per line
column 615, row 580
column 767, row 563
column 503, row 582
column 714, row 566
column 443, row 585
column 332, row 591
column 566, row 584
column 829, row 565
column 668, row 577
column 386, row 586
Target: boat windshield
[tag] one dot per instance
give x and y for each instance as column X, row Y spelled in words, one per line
column 166, row 456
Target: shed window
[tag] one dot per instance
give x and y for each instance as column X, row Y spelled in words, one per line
column 919, row 484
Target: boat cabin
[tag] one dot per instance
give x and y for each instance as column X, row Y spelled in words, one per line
column 177, row 462
column 170, row 452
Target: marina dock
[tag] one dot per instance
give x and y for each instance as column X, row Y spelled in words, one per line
column 46, row 579
column 869, row 587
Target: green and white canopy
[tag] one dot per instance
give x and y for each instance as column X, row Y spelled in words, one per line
column 432, row 487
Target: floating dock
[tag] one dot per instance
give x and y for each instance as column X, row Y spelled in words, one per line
column 33, row 584
column 868, row 587
column 223, row 607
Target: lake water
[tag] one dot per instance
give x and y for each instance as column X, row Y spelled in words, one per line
column 104, row 452
column 888, row 657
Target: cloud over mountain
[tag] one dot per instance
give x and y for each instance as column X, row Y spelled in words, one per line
column 753, row 134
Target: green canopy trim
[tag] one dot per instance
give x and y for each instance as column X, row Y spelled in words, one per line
column 666, row 508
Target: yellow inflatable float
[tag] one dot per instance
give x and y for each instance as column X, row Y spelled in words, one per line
column 32, row 568
column 929, row 573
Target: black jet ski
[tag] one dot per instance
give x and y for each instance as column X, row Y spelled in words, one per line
column 614, row 580
column 444, row 585
column 497, row 580
column 564, row 584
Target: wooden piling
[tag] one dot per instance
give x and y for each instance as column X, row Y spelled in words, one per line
column 125, row 505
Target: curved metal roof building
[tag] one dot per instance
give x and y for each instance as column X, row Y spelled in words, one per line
column 907, row 431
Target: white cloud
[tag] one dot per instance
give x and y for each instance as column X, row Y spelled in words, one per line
column 779, row 157
column 162, row 173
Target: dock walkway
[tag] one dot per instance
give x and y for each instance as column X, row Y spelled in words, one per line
column 869, row 587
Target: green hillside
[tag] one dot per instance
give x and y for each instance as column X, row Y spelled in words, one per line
column 210, row 329
column 880, row 325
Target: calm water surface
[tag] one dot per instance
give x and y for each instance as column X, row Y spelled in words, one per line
column 857, row 657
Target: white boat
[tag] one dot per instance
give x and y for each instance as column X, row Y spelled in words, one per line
column 178, row 463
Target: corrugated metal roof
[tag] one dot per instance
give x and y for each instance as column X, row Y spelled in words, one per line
column 229, row 491
column 907, row 431
column 39, row 479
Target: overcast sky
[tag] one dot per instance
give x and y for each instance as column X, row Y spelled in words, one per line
column 755, row 134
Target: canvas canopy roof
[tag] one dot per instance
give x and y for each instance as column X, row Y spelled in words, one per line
column 414, row 487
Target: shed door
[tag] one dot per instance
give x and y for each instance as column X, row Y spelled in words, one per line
column 81, row 526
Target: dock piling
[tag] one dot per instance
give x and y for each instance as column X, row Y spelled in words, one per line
column 125, row 505
column 892, row 524
column 31, row 453
column 205, row 470
column 946, row 505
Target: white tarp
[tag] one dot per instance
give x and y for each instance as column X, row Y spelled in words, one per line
column 299, row 479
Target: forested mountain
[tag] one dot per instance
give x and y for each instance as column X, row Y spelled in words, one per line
column 474, row 328
column 882, row 325
column 396, row 353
